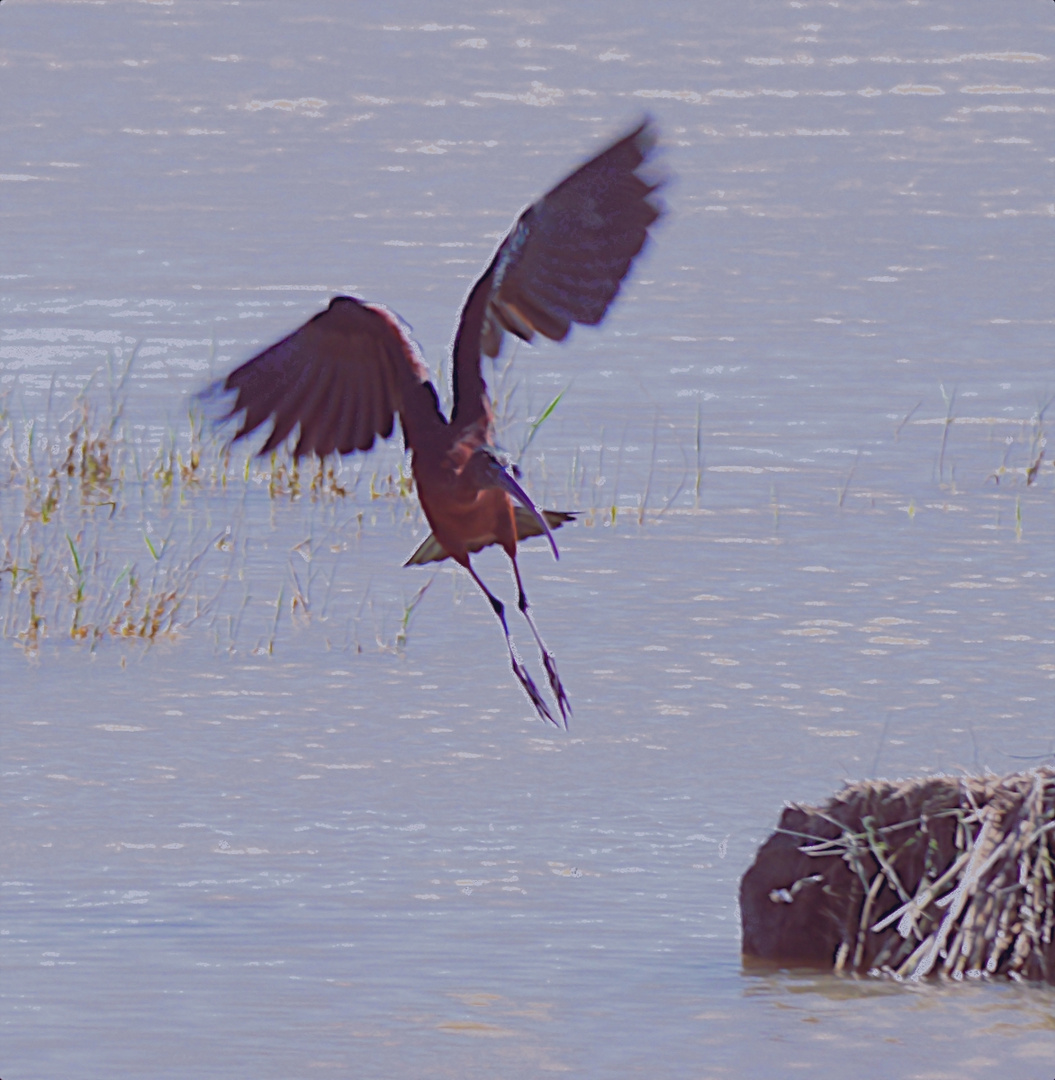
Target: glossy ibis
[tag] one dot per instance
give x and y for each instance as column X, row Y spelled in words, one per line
column 344, row 375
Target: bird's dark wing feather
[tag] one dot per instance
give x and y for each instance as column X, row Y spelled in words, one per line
column 568, row 253
column 562, row 263
column 341, row 377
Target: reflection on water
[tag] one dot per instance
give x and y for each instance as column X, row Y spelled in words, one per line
column 812, row 412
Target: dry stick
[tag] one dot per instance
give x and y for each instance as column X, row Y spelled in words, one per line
column 879, row 748
column 235, row 624
column 849, row 847
column 820, row 846
column 881, row 859
column 353, row 624
column 840, row 956
column 299, row 597
column 957, row 901
column 973, row 950
column 117, row 394
column 1037, row 440
column 1047, row 902
column 1038, row 833
column 600, row 473
column 922, row 898
column 1000, row 850
column 582, row 479
column 866, row 912
column 908, row 416
column 998, row 931
column 95, row 575
column 274, row 625
column 11, row 566
column 51, row 391
column 980, row 904
column 670, row 502
column 699, row 453
column 408, row 612
column 168, row 605
column 651, row 470
column 329, row 590
column 203, row 607
column 950, row 401
column 684, row 476
column 1034, row 868
column 618, row 471
column 848, row 844
column 846, row 486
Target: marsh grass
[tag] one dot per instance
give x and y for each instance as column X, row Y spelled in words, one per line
column 110, row 534
column 1034, row 441
column 79, row 552
column 105, row 536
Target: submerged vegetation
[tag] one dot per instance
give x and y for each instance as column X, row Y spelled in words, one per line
column 104, row 536
column 107, row 534
column 67, row 495
column 92, row 541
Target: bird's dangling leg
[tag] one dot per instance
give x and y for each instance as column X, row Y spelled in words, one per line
column 548, row 660
column 519, row 670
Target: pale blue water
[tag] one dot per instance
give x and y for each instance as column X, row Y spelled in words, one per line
column 367, row 859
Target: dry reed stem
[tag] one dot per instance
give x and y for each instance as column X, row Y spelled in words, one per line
column 938, row 876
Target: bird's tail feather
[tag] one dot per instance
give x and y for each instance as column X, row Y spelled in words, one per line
column 431, row 550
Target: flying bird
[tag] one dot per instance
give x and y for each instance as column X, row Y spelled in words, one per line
column 346, row 373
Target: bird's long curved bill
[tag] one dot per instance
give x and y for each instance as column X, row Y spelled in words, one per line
column 506, row 481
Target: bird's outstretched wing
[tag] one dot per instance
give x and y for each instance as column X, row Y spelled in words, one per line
column 341, row 377
column 562, row 263
column 566, row 257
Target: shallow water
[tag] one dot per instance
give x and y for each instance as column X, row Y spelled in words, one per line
column 364, row 855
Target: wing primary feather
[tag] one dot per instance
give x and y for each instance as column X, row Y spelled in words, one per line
column 322, row 440
column 310, row 411
column 563, row 262
column 346, row 436
column 289, row 413
column 340, row 378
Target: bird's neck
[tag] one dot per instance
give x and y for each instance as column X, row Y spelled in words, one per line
column 471, row 403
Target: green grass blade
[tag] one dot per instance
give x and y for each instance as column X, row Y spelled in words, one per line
column 76, row 557
column 546, row 413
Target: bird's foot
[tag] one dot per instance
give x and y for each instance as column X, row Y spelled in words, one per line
column 550, row 664
column 532, row 691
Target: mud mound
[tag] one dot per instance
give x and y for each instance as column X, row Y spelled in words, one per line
column 939, row 876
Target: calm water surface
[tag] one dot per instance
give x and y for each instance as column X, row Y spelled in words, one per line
column 286, row 842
